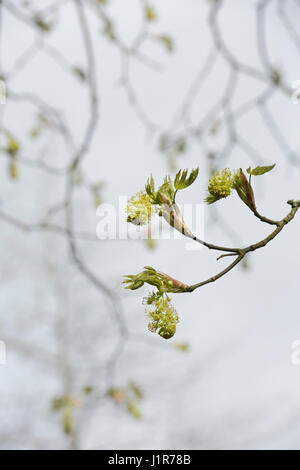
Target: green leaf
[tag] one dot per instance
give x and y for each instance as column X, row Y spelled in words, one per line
column 167, row 190
column 161, row 281
column 182, row 181
column 150, row 187
column 260, row 170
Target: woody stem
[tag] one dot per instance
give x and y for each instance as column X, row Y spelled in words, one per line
column 242, row 252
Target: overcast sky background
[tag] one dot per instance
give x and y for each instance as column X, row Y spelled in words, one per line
column 236, row 387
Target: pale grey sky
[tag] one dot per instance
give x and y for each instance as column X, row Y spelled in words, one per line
column 236, row 387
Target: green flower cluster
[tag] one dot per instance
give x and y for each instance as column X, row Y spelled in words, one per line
column 140, row 209
column 163, row 316
column 220, row 185
column 146, row 203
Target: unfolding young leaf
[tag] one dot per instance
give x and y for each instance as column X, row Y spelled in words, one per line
column 182, row 181
column 150, row 187
column 260, row 170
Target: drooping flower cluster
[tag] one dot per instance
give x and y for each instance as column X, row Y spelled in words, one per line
column 163, row 316
column 220, row 185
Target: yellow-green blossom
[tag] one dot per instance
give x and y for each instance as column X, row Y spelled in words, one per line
column 220, row 186
column 163, row 316
column 140, row 209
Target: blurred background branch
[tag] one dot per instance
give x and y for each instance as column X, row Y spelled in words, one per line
column 80, row 77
